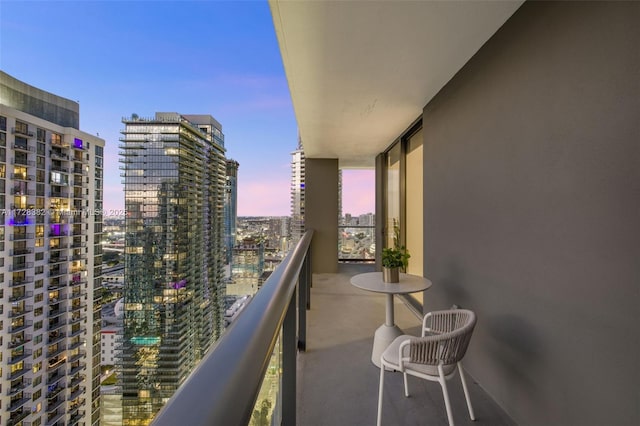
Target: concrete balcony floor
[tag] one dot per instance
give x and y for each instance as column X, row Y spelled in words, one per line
column 338, row 384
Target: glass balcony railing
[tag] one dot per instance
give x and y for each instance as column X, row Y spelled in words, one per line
column 356, row 243
column 261, row 383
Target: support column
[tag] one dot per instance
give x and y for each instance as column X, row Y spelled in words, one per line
column 321, row 212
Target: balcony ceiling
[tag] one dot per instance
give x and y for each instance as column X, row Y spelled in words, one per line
column 360, row 72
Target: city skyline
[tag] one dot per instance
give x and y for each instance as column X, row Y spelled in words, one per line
column 238, row 63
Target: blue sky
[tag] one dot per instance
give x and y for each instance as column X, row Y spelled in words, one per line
column 205, row 57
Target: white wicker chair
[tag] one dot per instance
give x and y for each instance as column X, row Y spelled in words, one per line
column 434, row 356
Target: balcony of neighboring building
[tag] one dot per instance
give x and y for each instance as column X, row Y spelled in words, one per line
column 16, row 417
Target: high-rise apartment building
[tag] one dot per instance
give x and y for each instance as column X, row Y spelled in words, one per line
column 50, row 260
column 297, row 193
column 231, row 208
column 247, row 267
column 175, row 179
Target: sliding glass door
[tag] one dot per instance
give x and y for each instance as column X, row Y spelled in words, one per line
column 403, row 198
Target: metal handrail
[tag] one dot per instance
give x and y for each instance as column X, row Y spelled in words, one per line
column 224, row 387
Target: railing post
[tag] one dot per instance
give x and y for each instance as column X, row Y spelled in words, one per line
column 303, row 303
column 289, row 365
column 307, row 268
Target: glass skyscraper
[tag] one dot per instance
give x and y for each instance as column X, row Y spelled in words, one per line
column 174, row 178
column 231, row 208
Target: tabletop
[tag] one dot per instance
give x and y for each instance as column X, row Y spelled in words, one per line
column 372, row 281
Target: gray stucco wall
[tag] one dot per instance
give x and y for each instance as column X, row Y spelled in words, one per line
column 321, row 212
column 532, row 211
column 23, row 97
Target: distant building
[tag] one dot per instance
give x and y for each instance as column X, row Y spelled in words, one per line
column 297, row 193
column 247, row 267
column 108, row 345
column 230, row 208
column 50, row 229
column 175, row 177
column 367, row 219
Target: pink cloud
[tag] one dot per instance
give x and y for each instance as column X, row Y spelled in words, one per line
column 264, row 198
column 358, row 191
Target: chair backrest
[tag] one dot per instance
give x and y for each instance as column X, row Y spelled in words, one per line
column 453, row 329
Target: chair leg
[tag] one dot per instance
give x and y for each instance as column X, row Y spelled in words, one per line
column 466, row 391
column 445, row 393
column 406, row 384
column 380, row 392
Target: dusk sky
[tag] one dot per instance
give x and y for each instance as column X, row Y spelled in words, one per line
column 202, row 57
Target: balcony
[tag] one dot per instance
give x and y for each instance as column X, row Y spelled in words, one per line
column 56, row 351
column 20, row 281
column 58, row 194
column 77, row 332
column 17, row 417
column 18, row 296
column 56, row 325
column 59, row 184
column 56, row 376
column 58, row 142
column 55, row 337
column 20, row 251
column 76, row 368
column 53, row 393
column 19, row 356
column 59, row 154
column 58, row 233
column 17, row 236
column 79, row 355
column 22, row 131
column 56, row 311
column 22, row 191
column 20, row 266
column 18, row 373
column 59, row 168
column 23, row 147
column 16, row 312
column 53, row 418
column 76, row 319
column 18, row 402
column 54, row 402
column 55, row 272
column 19, row 341
column 22, row 176
column 336, row 366
column 76, row 393
column 22, row 325
column 75, row 381
column 56, row 285
column 57, row 259
column 76, row 418
column 22, row 161
column 18, row 386
column 74, row 345
column 77, row 306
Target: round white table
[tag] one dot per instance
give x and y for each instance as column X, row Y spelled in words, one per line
column 387, row 332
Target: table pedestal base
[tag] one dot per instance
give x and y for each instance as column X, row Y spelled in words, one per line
column 382, row 339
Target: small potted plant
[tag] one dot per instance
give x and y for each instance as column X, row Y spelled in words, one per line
column 394, row 258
